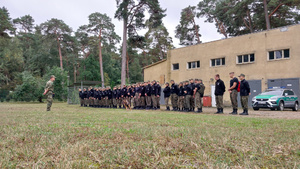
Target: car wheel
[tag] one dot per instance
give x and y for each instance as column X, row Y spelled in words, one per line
column 281, row 106
column 296, row 107
column 255, row 109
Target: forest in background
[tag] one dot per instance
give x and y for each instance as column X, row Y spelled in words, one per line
column 30, row 52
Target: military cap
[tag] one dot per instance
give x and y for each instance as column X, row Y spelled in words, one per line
column 242, row 75
column 52, row 76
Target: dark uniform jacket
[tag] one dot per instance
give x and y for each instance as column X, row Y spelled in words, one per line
column 81, row 95
column 124, row 92
column 158, row 89
column 132, row 93
column 234, row 80
column 96, row 94
column 220, row 88
column 167, row 91
column 85, row 94
column 142, row 91
column 109, row 94
column 244, row 88
column 154, row 90
column 119, row 93
column 181, row 91
column 188, row 89
column 148, row 90
column 174, row 89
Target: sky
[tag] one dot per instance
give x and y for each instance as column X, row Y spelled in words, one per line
column 75, row 13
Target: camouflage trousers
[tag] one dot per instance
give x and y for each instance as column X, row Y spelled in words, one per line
column 154, row 101
column 115, row 103
column 119, row 101
column 129, row 100
column 244, row 101
column 219, row 102
column 181, row 102
column 233, row 98
column 136, row 100
column 188, row 101
column 86, row 102
column 174, row 100
column 158, row 101
column 81, row 101
column 142, row 101
column 148, row 101
column 198, row 100
column 167, row 101
column 49, row 100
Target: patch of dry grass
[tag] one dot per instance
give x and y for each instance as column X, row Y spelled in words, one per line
column 74, row 137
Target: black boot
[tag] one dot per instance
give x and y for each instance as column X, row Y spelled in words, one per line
column 221, row 111
column 245, row 112
column 218, row 111
column 168, row 108
column 200, row 110
column 234, row 112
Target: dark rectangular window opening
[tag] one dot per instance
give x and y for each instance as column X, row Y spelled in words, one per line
column 176, row 66
column 286, row 53
column 240, row 59
column 246, row 58
column 193, row 65
column 252, row 58
column 271, row 55
column 213, row 62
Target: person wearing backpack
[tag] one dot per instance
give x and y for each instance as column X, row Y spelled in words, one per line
column 233, row 90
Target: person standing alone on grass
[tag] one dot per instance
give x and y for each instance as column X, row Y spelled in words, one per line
column 49, row 92
column 234, row 84
column 219, row 92
column 244, row 93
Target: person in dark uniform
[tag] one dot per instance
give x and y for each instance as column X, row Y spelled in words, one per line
column 233, row 93
column 181, row 97
column 154, row 95
column 192, row 101
column 219, row 92
column 244, row 93
column 188, row 94
column 96, row 95
column 132, row 94
column 174, row 95
column 167, row 93
column 119, row 97
column 142, row 96
column 85, row 96
column 158, row 94
column 124, row 94
column 109, row 96
column 148, row 95
column 81, row 97
column 197, row 96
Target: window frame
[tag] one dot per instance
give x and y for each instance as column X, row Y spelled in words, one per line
column 221, row 59
column 243, row 59
column 173, row 66
column 189, row 65
column 282, row 54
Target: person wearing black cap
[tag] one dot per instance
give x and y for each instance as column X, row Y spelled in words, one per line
column 244, row 93
column 167, row 92
column 219, row 92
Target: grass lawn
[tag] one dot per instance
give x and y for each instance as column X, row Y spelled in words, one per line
column 75, row 137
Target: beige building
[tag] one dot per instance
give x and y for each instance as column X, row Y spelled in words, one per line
column 269, row 58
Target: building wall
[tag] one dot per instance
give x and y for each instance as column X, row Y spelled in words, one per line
column 156, row 72
column 257, row 43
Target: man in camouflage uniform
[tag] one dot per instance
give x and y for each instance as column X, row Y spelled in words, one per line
column 49, row 92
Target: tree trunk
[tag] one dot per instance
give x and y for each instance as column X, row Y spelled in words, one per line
column 127, row 65
column 59, row 52
column 124, row 51
column 75, row 73
column 266, row 15
column 196, row 30
column 100, row 59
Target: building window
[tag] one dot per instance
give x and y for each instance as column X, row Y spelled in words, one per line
column 279, row 54
column 250, row 58
column 193, row 65
column 217, row 62
column 176, row 66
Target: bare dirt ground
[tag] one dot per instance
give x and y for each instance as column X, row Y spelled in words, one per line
column 264, row 113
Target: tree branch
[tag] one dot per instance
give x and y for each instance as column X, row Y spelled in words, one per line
column 276, row 9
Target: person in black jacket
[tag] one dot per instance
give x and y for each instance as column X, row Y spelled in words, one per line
column 142, row 96
column 192, row 101
column 219, row 92
column 167, row 93
column 96, row 94
column 148, row 95
column 123, row 94
column 81, row 97
column 174, row 95
column 234, row 84
column 180, row 97
column 158, row 94
column 244, row 93
column 119, row 97
column 85, row 96
column 188, row 92
column 154, row 95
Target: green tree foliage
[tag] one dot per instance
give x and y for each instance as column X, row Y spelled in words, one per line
column 31, row 88
column 188, row 30
column 132, row 13
column 6, row 25
column 238, row 17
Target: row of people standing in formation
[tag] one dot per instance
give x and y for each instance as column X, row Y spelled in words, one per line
column 144, row 95
column 185, row 97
